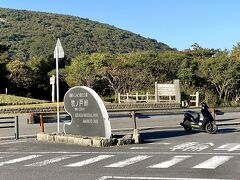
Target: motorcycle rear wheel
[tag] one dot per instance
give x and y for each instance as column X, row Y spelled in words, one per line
column 187, row 125
column 211, row 128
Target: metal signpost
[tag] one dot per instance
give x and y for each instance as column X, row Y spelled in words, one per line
column 52, row 82
column 58, row 53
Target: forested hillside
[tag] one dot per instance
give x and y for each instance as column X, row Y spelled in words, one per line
column 107, row 59
column 30, row 34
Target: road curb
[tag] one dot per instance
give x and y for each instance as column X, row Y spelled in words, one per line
column 91, row 141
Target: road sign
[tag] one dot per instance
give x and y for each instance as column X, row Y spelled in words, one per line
column 52, row 80
column 58, row 52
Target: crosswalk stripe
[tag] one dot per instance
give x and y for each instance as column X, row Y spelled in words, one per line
column 128, row 161
column 50, row 161
column 171, row 162
column 235, row 148
column 89, row 161
column 19, row 160
column 213, row 162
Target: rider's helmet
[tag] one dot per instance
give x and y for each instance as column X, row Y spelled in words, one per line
column 204, row 105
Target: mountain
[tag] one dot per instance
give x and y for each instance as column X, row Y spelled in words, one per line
column 29, row 34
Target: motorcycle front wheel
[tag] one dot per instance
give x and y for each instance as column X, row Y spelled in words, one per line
column 211, row 128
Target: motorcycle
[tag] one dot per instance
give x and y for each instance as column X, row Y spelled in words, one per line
column 193, row 120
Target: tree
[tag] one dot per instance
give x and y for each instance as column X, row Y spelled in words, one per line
column 200, row 52
column 40, row 67
column 84, row 68
column 20, row 76
column 187, row 72
column 235, row 53
column 222, row 72
column 3, row 61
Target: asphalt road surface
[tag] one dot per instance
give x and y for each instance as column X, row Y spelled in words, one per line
column 120, row 123
column 165, row 154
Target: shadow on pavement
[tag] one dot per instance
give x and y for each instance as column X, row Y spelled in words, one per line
column 148, row 136
column 227, row 130
column 223, row 120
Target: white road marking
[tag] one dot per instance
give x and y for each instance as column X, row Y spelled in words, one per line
column 89, row 161
column 171, row 162
column 228, row 147
column 127, row 152
column 192, row 146
column 151, row 178
column 12, row 142
column 213, row 162
column 19, row 160
column 158, row 143
column 140, row 148
column 128, row 161
column 235, row 148
column 50, row 161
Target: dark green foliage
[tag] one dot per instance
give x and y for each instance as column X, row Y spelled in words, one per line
column 216, row 77
column 107, row 59
column 3, row 70
column 29, row 38
column 35, row 34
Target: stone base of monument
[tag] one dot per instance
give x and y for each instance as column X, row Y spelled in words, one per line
column 115, row 140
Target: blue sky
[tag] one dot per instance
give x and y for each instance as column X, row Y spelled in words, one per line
column 177, row 23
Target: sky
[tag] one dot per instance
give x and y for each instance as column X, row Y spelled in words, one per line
column 177, row 23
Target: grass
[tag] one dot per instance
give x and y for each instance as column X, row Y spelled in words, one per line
column 6, row 100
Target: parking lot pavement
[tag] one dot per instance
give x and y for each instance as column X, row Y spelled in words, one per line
column 118, row 124
column 28, row 130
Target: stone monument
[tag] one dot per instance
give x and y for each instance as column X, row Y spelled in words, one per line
column 89, row 116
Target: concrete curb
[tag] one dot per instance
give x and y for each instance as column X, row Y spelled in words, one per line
column 90, row 141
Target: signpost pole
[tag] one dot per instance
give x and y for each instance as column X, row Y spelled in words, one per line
column 58, row 53
column 58, row 118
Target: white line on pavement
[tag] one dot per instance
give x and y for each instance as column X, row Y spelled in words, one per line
column 213, row 162
column 53, row 160
column 19, row 160
column 89, row 161
column 171, row 162
column 128, row 161
column 127, row 152
column 140, row 148
column 12, row 142
column 151, row 178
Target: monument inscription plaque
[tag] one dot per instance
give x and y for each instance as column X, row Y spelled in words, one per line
column 89, row 116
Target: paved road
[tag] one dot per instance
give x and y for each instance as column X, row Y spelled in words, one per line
column 165, row 154
column 117, row 123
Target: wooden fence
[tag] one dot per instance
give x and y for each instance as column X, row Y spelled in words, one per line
column 135, row 98
column 150, row 98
